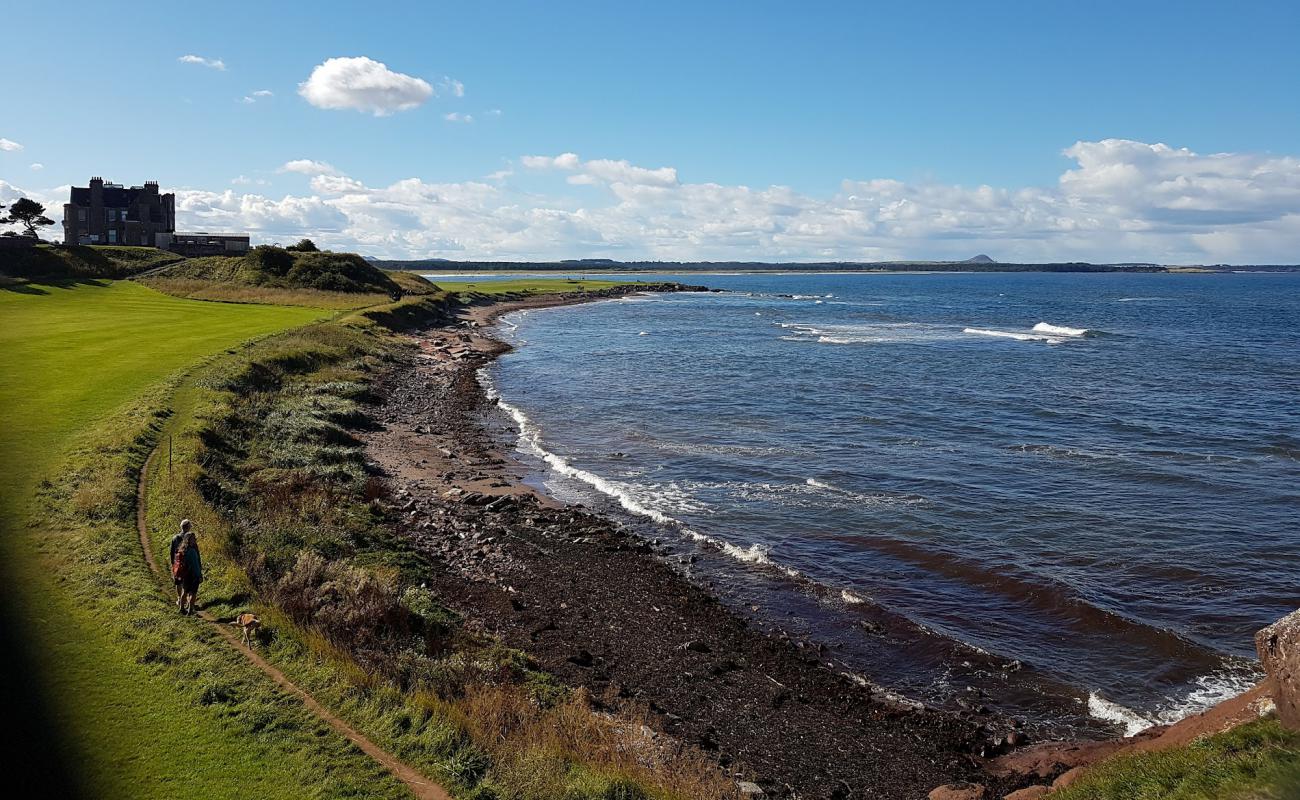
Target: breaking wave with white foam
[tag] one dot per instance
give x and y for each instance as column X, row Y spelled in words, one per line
column 1020, row 337
column 1209, row 691
column 1059, row 330
column 1109, row 711
column 530, row 442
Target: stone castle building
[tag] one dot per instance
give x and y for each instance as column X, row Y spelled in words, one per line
column 109, row 213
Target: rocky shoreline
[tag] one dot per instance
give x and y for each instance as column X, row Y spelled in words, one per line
column 602, row 609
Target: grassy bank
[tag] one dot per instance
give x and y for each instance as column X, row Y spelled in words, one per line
column 1256, row 761
column 264, row 459
column 128, row 684
column 86, row 261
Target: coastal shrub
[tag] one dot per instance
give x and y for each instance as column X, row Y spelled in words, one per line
column 267, row 261
column 353, row 608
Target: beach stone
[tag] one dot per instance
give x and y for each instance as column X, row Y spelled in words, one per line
column 1068, row 777
column 957, row 791
column 1028, row 793
column 749, row 789
column 1278, row 646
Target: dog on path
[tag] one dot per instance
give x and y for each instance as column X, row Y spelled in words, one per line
column 248, row 623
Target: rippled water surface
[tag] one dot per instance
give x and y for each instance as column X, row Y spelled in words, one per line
column 1097, row 476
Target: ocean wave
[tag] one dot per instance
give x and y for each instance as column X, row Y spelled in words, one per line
column 851, row 598
column 1021, row 337
column 1059, row 330
column 1131, row 721
column 868, row 333
column 530, row 442
column 1056, row 451
column 1207, row 692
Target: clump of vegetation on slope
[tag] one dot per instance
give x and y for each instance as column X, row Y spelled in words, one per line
column 289, row 276
column 276, row 267
column 44, row 262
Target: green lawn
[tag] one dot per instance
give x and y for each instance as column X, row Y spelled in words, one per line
column 189, row 719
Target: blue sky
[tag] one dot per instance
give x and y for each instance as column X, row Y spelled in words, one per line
column 942, row 98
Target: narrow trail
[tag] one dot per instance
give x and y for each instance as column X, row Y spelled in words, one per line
column 420, row 786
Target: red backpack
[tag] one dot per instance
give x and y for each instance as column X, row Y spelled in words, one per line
column 178, row 564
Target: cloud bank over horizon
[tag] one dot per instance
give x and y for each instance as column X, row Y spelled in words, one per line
column 1122, row 201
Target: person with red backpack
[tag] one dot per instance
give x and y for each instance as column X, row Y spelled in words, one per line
column 187, row 568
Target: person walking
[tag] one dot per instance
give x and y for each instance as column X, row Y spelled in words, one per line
column 187, row 570
column 171, row 560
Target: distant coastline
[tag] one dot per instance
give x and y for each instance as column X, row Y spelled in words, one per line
column 609, row 265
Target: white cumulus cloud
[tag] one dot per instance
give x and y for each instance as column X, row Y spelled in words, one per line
column 210, row 63
column 306, row 166
column 363, row 84
column 37, row 166
column 9, row 145
column 456, row 116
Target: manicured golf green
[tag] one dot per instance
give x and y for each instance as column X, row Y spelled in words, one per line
column 70, row 357
column 71, row 354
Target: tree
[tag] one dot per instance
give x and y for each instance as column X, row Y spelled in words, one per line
column 29, row 214
column 304, row 246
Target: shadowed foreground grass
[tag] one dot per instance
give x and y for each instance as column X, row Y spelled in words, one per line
column 150, row 703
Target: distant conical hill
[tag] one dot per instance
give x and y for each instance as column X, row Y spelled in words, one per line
column 979, row 259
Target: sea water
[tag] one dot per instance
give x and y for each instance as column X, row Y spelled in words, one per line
column 1075, row 495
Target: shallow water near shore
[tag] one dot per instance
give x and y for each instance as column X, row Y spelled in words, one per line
column 1074, row 494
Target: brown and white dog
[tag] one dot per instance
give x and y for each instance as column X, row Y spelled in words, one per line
column 249, row 623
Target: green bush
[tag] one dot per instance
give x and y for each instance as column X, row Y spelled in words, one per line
column 269, row 260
